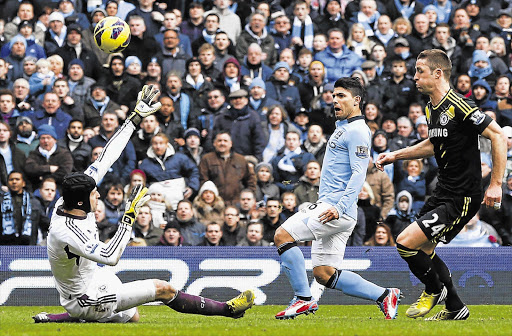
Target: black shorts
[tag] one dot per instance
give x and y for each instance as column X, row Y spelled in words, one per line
column 442, row 217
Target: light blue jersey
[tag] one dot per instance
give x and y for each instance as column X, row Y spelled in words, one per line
column 345, row 164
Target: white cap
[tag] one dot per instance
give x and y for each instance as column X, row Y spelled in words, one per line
column 56, row 16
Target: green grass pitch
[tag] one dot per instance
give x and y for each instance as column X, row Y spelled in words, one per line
column 329, row 320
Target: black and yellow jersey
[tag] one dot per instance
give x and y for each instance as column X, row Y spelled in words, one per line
column 453, row 128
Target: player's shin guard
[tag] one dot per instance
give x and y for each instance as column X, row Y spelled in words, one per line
column 294, row 266
column 422, row 267
column 353, row 284
column 193, row 304
column 453, row 302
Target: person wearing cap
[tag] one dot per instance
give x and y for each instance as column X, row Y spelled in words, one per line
column 172, row 235
column 11, row 157
column 79, row 83
column 34, row 48
column 278, row 88
column 67, row 8
column 229, row 22
column 256, row 32
column 67, row 103
column 142, row 45
column 253, row 65
column 26, row 137
column 482, row 13
column 502, row 25
column 194, row 24
column 208, row 204
column 96, row 104
column 48, row 159
column 25, row 13
column 171, row 57
column 482, row 43
column 88, row 40
column 18, row 46
column 231, row 78
column 339, row 61
column 481, row 95
column 192, row 146
column 55, row 36
column 258, row 99
column 421, row 128
column 74, row 142
column 244, row 125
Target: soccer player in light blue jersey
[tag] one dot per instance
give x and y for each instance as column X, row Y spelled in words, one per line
column 330, row 221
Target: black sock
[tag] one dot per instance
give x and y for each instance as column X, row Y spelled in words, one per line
column 381, row 298
column 193, row 304
column 422, row 267
column 453, row 302
column 304, row 298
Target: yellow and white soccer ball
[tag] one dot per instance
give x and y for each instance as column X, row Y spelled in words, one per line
column 112, row 34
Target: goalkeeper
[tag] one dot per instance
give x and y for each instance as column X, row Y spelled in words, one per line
column 91, row 293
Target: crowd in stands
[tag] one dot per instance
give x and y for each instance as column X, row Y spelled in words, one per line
column 247, row 109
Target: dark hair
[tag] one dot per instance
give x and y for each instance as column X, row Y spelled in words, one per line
column 437, row 59
column 6, row 124
column 213, row 14
column 75, row 120
column 14, row 171
column 6, row 92
column 354, row 86
column 257, row 223
column 273, row 199
column 223, row 132
column 373, row 242
column 185, row 201
column 332, row 30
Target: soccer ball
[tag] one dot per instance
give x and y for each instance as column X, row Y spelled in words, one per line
column 112, row 34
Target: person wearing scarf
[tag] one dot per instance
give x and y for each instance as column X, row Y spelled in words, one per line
column 481, row 68
column 256, row 32
column 16, row 213
column 303, row 28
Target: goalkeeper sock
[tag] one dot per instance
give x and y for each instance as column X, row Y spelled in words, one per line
column 193, row 304
column 63, row 317
column 294, row 266
column 453, row 302
column 353, row 284
column 422, row 267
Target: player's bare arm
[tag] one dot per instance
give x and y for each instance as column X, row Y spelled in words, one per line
column 493, row 132
column 419, row 151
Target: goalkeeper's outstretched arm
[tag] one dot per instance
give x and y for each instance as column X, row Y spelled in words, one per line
column 115, row 146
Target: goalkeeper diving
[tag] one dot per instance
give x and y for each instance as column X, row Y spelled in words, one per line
column 92, row 293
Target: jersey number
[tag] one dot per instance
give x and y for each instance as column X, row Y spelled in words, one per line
column 312, row 206
column 71, row 255
column 436, row 228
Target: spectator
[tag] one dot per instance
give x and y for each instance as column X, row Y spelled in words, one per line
column 88, row 39
column 277, row 127
column 290, row 204
column 19, row 217
column 209, row 63
column 316, row 143
column 47, row 196
column 248, row 206
column 243, row 123
column 97, row 104
column 8, row 111
column 210, row 30
column 55, row 36
column 57, row 65
column 323, row 110
column 382, row 188
column 381, row 237
column 272, row 219
column 367, row 15
column 169, row 121
column 402, row 214
column 175, row 171
column 379, row 56
column 253, row 65
column 481, row 95
column 152, row 16
column 74, row 142
column 281, row 32
column 11, row 157
column 358, row 41
column 216, row 101
column 114, row 202
column 192, row 147
column 400, row 91
column 67, row 8
column 142, row 43
column 338, row 60
column 26, row 137
column 384, row 32
column 407, row 8
column 421, row 36
column 74, row 48
column 366, row 201
column 229, row 21
column 443, row 40
column 196, row 85
column 254, row 236
column 172, row 235
column 309, row 184
column 311, row 88
column 372, row 113
column 224, row 49
column 121, row 87
column 5, row 75
column 301, row 68
column 79, row 83
column 232, row 230
column 141, row 139
column 228, row 170
column 208, row 205
column 357, row 236
column 212, row 235
column 265, row 187
column 154, row 71
column 122, row 168
column 259, row 101
column 464, row 32
column 159, row 206
column 105, row 229
column 48, row 159
column 137, row 176
column 290, row 162
column 281, row 89
column 194, row 25
column 414, row 182
column 16, row 57
column 42, row 80
column 171, row 57
column 25, row 13
column 502, row 89
column 405, row 135
column 144, row 228
column 231, row 76
column 183, row 104
column 256, row 32
column 303, row 28
column 332, row 18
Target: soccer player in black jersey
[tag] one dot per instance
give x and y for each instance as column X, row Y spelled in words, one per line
column 454, row 123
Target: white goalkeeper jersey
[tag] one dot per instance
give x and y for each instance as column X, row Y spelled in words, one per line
column 73, row 246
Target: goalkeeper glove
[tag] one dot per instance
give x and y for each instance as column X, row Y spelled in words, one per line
column 136, row 200
column 145, row 105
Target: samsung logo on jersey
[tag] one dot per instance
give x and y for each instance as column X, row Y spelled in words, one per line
column 438, row 133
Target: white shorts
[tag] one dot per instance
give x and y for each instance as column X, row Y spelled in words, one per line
column 107, row 299
column 329, row 239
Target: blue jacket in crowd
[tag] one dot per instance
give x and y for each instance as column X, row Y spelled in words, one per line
column 339, row 67
column 59, row 120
